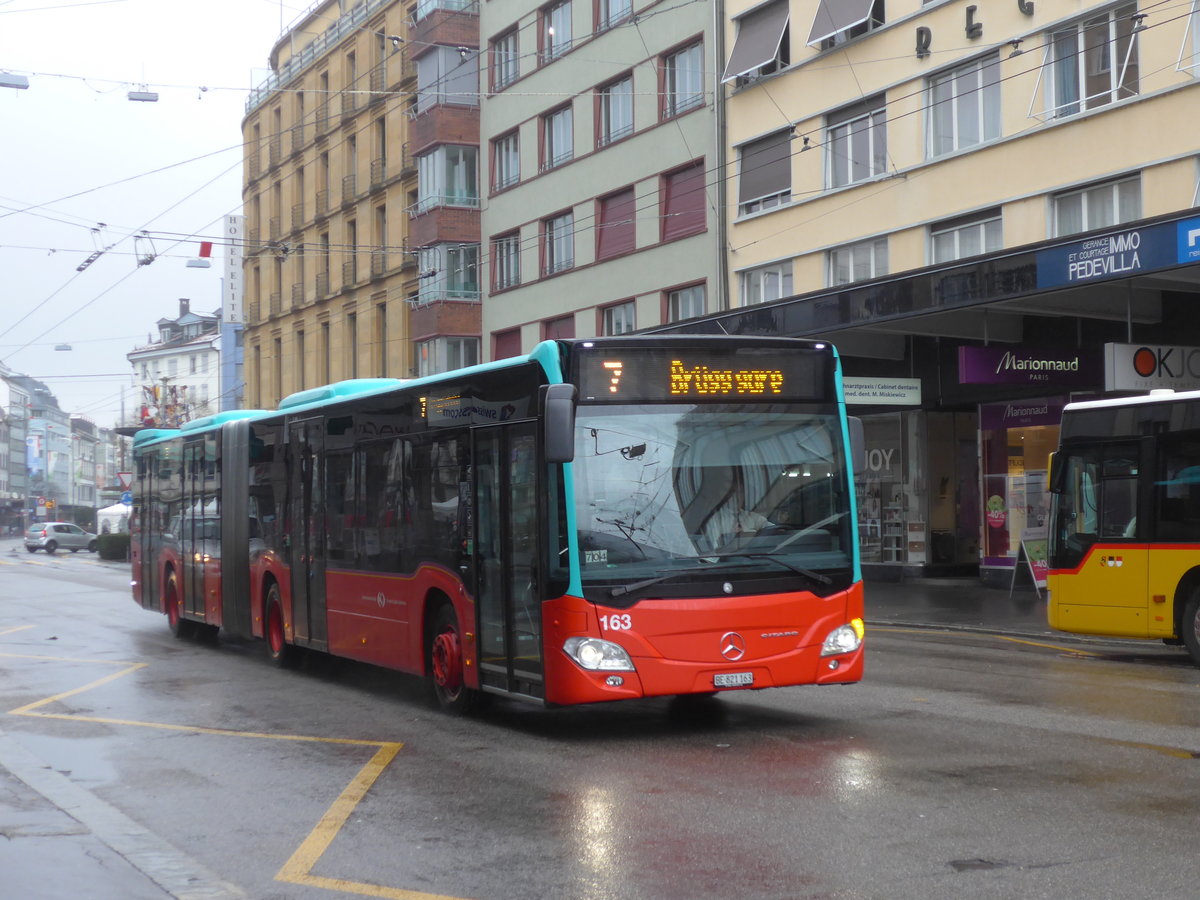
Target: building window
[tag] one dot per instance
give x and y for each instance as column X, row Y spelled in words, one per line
column 762, row 43
column 555, row 30
column 558, row 243
column 445, row 354
column 448, row 272
column 857, row 142
column 506, row 60
column 618, row 319
column 613, row 11
column 858, row 262
column 964, row 106
column 562, row 327
column 967, row 236
column 448, row 177
column 557, row 139
column 447, row 75
column 685, row 303
column 1098, row 206
column 615, row 233
column 766, row 283
column 506, row 161
column 1092, row 62
column 506, row 261
column 615, row 119
column 765, row 173
column 506, row 344
column 683, row 80
column 838, row 21
column 683, row 201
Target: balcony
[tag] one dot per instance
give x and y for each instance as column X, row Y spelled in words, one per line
column 350, row 103
column 349, row 273
column 252, row 316
column 378, row 172
column 379, row 263
column 322, row 285
column 298, row 136
column 274, row 229
column 322, row 204
column 297, row 295
column 254, row 165
column 297, row 217
column 349, row 188
column 275, row 151
column 276, row 304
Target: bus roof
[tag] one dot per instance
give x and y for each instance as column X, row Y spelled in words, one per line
column 1156, row 396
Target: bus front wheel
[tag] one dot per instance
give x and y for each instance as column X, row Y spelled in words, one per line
column 281, row 653
column 446, row 665
column 1190, row 626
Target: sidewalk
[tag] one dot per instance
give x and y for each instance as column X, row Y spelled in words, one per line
column 961, row 603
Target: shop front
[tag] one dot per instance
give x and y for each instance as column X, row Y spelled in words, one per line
column 960, row 374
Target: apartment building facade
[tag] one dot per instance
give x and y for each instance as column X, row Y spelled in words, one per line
column 178, row 376
column 990, row 209
column 598, row 152
column 329, row 175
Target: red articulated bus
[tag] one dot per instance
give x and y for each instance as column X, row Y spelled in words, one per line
column 598, row 520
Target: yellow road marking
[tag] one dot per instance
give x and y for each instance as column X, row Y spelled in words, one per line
column 298, row 869
column 1177, row 752
column 14, row 629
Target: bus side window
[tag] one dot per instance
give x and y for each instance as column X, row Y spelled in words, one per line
column 1177, row 488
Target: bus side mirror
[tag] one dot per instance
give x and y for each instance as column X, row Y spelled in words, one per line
column 1053, row 475
column 858, row 444
column 557, row 403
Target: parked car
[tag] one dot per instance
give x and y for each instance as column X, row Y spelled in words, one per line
column 50, row 536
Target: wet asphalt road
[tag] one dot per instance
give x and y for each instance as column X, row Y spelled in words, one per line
column 964, row 765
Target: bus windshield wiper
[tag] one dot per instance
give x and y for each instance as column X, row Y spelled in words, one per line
column 799, row 570
column 624, row 589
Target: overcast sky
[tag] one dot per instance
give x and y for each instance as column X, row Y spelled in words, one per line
column 75, row 152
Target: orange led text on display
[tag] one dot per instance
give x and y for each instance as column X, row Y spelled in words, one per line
column 703, row 380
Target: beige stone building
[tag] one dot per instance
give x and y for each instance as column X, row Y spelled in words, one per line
column 990, row 209
column 329, row 176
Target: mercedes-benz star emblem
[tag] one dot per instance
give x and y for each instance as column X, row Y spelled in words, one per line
column 733, row 645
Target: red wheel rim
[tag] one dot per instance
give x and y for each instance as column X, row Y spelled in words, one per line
column 447, row 662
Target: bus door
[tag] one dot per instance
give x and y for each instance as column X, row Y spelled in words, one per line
column 189, row 530
column 306, row 530
column 507, row 582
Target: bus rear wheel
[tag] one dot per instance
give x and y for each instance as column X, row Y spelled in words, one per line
column 280, row 652
column 180, row 627
column 446, row 665
column 1189, row 628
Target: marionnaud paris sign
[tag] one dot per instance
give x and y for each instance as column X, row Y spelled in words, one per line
column 1120, row 253
column 1021, row 365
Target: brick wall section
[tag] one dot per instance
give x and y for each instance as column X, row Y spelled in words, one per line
column 444, row 225
column 444, row 125
column 445, row 318
column 444, row 26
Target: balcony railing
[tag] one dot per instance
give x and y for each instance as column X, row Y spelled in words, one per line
column 322, row 204
column 378, row 172
column 378, row 263
column 255, row 164
column 275, row 150
column 432, row 202
column 349, row 272
column 252, row 312
column 349, row 187
column 297, row 217
column 322, row 284
column 276, row 304
column 297, row 295
column 274, row 229
column 298, row 135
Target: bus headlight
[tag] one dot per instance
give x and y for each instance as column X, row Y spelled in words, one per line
column 844, row 638
column 595, row 654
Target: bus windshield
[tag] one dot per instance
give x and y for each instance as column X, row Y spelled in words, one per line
column 685, row 497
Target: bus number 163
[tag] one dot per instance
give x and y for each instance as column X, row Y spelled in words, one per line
column 618, row 622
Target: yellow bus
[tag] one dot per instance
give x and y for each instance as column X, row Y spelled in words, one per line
column 1124, row 554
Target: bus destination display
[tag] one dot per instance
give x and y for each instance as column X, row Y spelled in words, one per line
column 636, row 375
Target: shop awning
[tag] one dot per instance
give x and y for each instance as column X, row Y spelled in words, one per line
column 758, row 37
column 835, row 16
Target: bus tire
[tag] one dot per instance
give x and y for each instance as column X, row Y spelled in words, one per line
column 1189, row 626
column 446, row 669
column 282, row 654
column 180, row 627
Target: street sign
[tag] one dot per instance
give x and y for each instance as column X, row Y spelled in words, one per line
column 127, row 498
column 126, row 479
